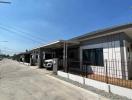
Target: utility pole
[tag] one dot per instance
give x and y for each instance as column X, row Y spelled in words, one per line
column 4, row 2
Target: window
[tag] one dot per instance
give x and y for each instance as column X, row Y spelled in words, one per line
column 93, row 56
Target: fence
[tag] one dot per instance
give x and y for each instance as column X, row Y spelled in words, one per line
column 113, row 72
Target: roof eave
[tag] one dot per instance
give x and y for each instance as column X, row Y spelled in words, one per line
column 103, row 31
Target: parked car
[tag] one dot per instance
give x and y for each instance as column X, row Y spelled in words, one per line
column 48, row 64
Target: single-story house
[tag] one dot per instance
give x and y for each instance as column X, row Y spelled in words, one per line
column 106, row 51
column 111, row 46
column 23, row 57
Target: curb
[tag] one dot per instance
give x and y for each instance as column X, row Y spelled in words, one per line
column 78, row 88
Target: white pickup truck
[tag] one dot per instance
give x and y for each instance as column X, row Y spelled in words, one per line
column 48, row 63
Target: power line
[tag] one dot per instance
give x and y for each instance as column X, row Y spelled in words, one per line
column 3, row 41
column 7, row 50
column 28, row 34
column 5, row 2
column 11, row 32
column 18, row 32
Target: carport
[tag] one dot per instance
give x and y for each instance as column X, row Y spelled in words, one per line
column 24, row 57
column 61, row 49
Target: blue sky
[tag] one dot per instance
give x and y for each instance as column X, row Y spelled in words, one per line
column 29, row 23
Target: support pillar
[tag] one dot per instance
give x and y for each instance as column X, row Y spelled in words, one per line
column 31, row 60
column 23, row 58
column 40, row 58
column 123, row 60
column 65, row 57
column 55, row 66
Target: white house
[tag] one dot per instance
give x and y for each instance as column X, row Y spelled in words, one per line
column 107, row 51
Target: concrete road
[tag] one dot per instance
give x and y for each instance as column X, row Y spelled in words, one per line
column 20, row 82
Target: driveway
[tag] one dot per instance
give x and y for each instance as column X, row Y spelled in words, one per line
column 21, row 82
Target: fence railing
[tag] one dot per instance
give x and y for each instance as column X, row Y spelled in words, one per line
column 114, row 72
